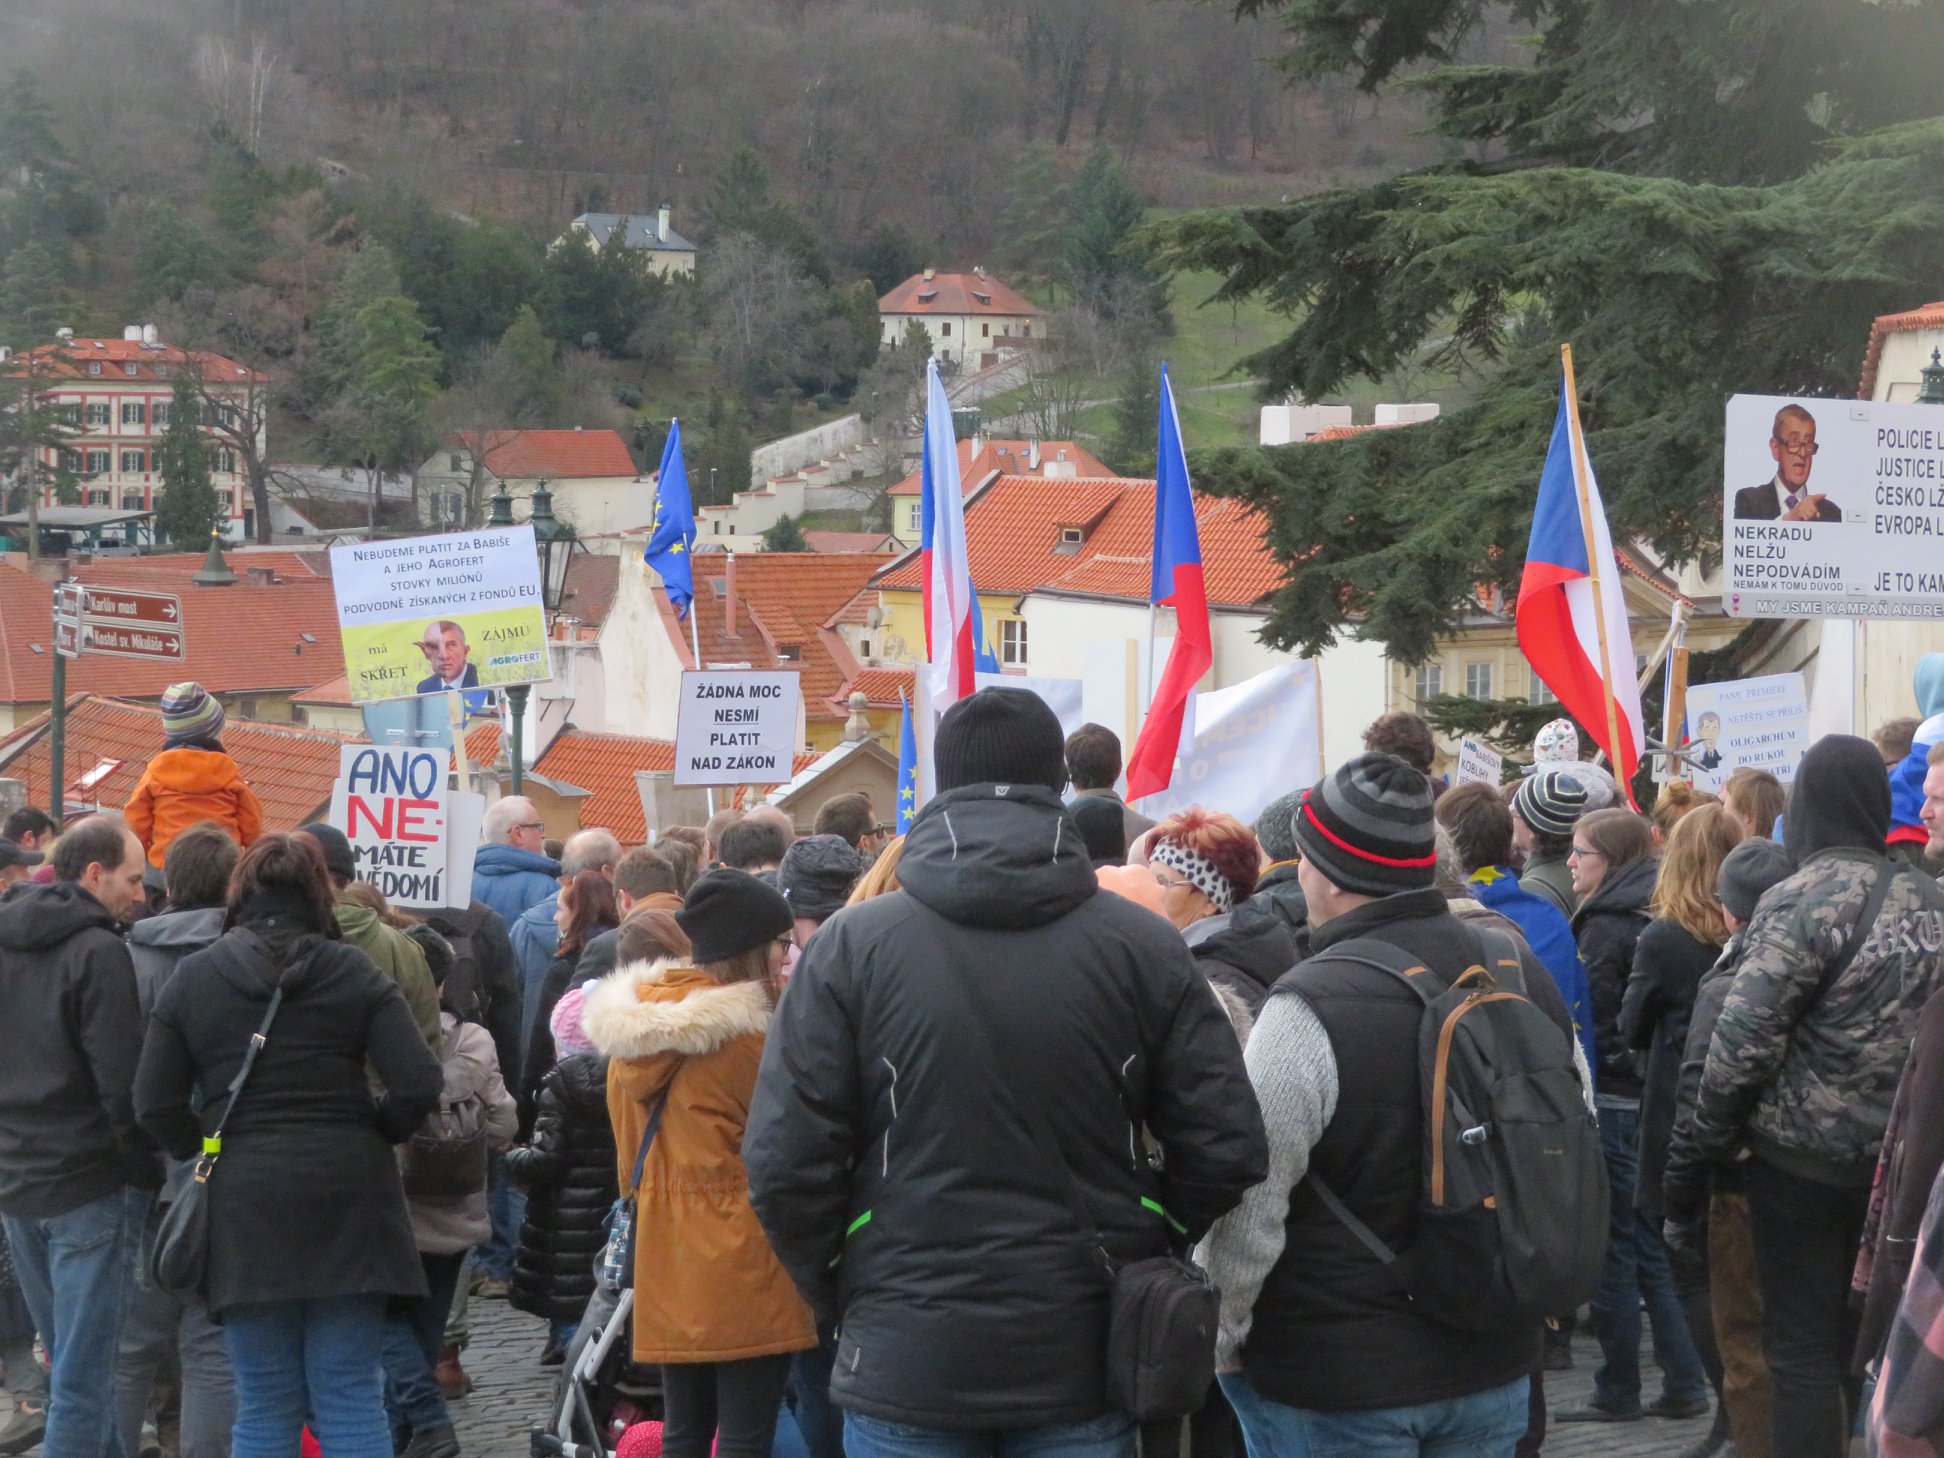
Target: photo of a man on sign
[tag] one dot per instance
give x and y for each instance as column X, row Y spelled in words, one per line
column 1786, row 496
column 447, row 654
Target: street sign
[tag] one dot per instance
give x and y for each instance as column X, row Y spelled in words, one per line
column 67, row 637
column 120, row 605
column 131, row 640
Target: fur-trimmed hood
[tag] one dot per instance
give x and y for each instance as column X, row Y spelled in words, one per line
column 648, row 1008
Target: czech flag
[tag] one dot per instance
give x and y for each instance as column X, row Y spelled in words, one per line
column 907, row 767
column 1178, row 584
column 1572, row 623
column 672, row 541
column 948, row 571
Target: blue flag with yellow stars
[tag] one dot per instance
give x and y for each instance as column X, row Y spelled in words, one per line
column 673, row 539
column 907, row 768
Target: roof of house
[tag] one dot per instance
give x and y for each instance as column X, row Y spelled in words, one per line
column 246, row 639
column 518, row 455
column 1010, row 458
column 332, row 693
column 1928, row 316
column 932, row 292
column 883, row 687
column 70, row 359
column 850, row 541
column 1013, row 531
column 593, row 579
column 109, row 743
column 644, row 231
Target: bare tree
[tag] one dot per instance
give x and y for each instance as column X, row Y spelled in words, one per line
column 237, row 88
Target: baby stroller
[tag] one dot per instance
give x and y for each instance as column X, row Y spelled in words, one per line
column 601, row 1390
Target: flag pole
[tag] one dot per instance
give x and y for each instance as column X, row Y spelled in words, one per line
column 1593, row 563
column 695, row 642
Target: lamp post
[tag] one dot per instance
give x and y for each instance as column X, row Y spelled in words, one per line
column 501, row 515
column 1931, row 390
column 553, row 544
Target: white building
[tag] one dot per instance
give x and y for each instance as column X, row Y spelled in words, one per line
column 669, row 253
column 969, row 315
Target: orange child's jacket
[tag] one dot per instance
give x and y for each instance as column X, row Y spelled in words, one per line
column 183, row 787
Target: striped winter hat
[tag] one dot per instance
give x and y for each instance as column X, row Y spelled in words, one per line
column 1367, row 826
column 189, row 714
column 1551, row 802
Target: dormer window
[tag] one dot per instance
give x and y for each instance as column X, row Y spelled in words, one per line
column 925, row 296
column 94, row 368
column 790, row 652
column 982, row 298
column 131, row 369
column 1071, row 536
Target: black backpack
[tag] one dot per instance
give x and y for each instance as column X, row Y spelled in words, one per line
column 1512, row 1218
column 461, row 991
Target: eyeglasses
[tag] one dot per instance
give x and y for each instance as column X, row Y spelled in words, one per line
column 1797, row 447
column 531, row 825
column 1581, row 853
column 1165, row 882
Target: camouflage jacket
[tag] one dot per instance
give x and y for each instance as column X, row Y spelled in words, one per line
column 1808, row 1082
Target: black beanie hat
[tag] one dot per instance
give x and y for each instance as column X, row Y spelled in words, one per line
column 1000, row 736
column 1747, row 871
column 1368, row 827
column 728, row 912
column 1103, row 828
column 339, row 859
column 817, row 875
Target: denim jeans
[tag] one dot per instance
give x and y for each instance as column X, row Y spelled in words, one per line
column 1636, row 1270
column 309, row 1360
column 157, row 1325
column 506, row 1205
column 76, row 1271
column 1482, row 1425
column 817, row 1417
column 1111, row 1435
column 414, row 1333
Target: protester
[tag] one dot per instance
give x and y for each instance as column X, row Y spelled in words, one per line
column 1093, row 768
column 1804, row 1067
column 1907, row 833
column 755, row 846
column 774, row 815
column 509, row 872
column 1613, row 876
column 483, row 986
column 536, row 935
column 1279, row 890
column 584, row 909
column 881, row 877
column 1320, row 1347
column 1906, row 1417
column 684, row 859
column 1206, row 864
column 365, row 922
column 1544, row 811
column 851, row 817
column 30, row 828
column 16, row 863
column 1404, row 735
column 1102, row 824
column 26, row 1383
column 1678, row 799
column 1894, row 739
column 1755, row 798
column 939, row 1238
column 76, row 1173
column 193, row 779
column 1555, row 750
column 643, row 878
column 713, row 832
column 712, row 1305
column 160, row 1325
column 816, row 878
column 445, row 1178
column 308, row 1231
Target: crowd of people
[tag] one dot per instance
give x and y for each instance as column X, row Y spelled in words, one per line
column 871, row 1124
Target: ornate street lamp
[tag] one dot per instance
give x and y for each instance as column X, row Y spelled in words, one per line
column 553, row 540
column 1931, row 391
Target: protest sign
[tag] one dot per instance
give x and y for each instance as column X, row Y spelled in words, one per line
column 394, row 808
column 1750, row 723
column 425, row 614
column 1832, row 508
column 736, row 728
column 1478, row 764
column 1253, row 742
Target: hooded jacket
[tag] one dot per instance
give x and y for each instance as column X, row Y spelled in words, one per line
column 73, row 1024
column 510, row 880
column 1907, row 779
column 399, row 958
column 1546, row 874
column 157, row 945
column 1547, row 930
column 1280, row 894
column 182, row 787
column 1806, row 1074
column 1669, row 963
column 708, row 1288
column 1242, row 952
column 474, row 1097
column 1608, row 926
column 567, row 1166
column 953, row 1065
column 306, row 1201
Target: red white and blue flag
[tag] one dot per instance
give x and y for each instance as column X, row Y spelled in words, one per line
column 941, row 548
column 1177, row 583
column 1562, row 608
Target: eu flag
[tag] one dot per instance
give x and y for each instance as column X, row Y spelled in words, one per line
column 673, row 539
column 907, row 768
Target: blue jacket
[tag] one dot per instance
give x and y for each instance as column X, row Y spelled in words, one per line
column 1551, row 938
column 510, row 880
column 536, row 938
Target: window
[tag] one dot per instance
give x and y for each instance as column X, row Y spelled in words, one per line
column 1540, row 693
column 97, row 465
column 1071, row 536
column 789, row 652
column 132, row 501
column 863, row 647
column 225, row 460
column 97, row 498
column 1478, row 680
column 98, row 417
column 94, row 369
column 159, row 414
column 133, row 463
column 226, row 501
column 134, row 412
column 131, row 369
column 1026, row 331
column 1430, row 682
column 453, row 463
column 1012, row 642
column 985, row 331
column 945, row 331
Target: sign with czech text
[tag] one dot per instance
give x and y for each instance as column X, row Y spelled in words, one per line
column 1833, row 508
column 736, row 728
column 131, row 640
column 1749, row 723
column 393, row 805
column 1478, row 764
column 117, row 605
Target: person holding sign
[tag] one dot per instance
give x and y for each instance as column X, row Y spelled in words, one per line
column 1792, row 442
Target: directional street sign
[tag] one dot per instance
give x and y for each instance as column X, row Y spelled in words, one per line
column 118, row 605
column 67, row 637
column 131, row 640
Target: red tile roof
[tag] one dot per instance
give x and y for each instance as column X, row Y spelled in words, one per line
column 1929, row 316
column 1008, row 457
column 1344, row 432
column 791, row 597
column 849, row 541
column 956, row 293
column 245, row 639
column 574, row 454
column 593, row 578
column 883, row 687
column 1012, row 531
column 152, row 362
column 333, row 693
column 290, row 767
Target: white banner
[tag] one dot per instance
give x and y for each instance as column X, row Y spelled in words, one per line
column 394, row 807
column 1478, row 764
column 1254, row 743
column 1750, row 723
column 736, row 728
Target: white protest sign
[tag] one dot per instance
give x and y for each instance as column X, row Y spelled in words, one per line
column 1751, row 723
column 1478, row 764
column 1832, row 508
column 393, row 805
column 1254, row 742
column 421, row 615
column 736, row 728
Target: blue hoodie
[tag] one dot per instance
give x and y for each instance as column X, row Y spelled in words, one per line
column 510, row 880
column 1907, row 779
column 1551, row 938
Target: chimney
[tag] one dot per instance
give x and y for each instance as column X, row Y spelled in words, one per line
column 728, row 596
column 930, row 274
column 151, row 335
column 1032, row 456
column 131, row 334
column 260, row 576
column 661, row 223
column 65, row 336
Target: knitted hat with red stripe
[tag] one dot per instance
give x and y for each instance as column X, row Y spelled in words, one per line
column 1368, row 827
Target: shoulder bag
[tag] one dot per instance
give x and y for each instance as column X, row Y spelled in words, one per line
column 179, row 1262
column 617, row 1261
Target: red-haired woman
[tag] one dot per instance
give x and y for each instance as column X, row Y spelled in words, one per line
column 1207, row 864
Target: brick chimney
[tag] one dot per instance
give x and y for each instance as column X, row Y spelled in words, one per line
column 728, row 595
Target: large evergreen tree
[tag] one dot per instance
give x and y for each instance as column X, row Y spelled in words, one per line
column 186, row 511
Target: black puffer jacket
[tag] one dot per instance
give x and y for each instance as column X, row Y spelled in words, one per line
column 1280, row 895
column 1669, row 963
column 932, row 1045
column 1243, row 952
column 569, row 1171
column 1608, row 926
